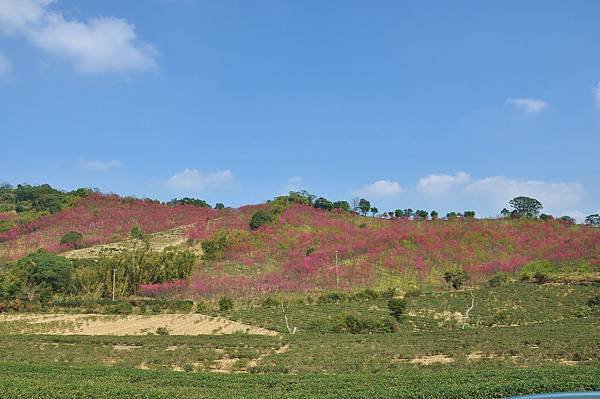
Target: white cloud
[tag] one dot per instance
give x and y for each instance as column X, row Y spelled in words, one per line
column 597, row 94
column 440, row 185
column 553, row 195
column 100, row 45
column 380, row 189
column 528, row 105
column 193, row 179
column 5, row 68
column 99, row 166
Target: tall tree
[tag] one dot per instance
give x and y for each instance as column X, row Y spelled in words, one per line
column 593, row 220
column 364, row 206
column 526, row 206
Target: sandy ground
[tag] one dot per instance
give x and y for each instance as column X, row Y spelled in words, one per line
column 86, row 324
column 158, row 242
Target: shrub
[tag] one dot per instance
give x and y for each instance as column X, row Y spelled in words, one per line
column 270, row 302
column 456, row 277
column 120, row 308
column 541, row 268
column 413, row 292
column 396, row 307
column 389, row 293
column 594, row 304
column 201, row 306
column 225, row 304
column 73, row 238
column 363, row 325
column 366, row 295
column 333, row 297
column 540, row 277
column 214, row 248
column 261, row 217
column 137, row 233
column 180, row 306
column 497, row 280
column 156, row 309
column 15, row 305
column 162, row 331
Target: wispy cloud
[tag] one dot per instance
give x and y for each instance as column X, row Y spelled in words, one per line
column 380, row 189
column 100, row 45
column 99, row 166
column 5, row 68
column 597, row 94
column 440, row 185
column 528, row 105
column 194, row 180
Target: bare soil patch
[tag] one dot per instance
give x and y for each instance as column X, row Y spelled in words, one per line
column 427, row 360
column 176, row 324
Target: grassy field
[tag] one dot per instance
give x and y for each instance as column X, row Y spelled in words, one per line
column 43, row 381
column 521, row 338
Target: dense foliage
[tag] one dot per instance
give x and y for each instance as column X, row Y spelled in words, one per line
column 24, row 203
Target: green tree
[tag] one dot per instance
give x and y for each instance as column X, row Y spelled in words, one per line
column 364, row 206
column 301, row 197
column 343, row 205
column 137, row 233
column 456, row 277
column 41, row 274
column 567, row 219
column 505, row 212
column 73, row 238
column 526, row 206
column 323, row 203
column 544, row 217
column 219, row 205
column 261, row 217
column 225, row 304
column 214, row 248
column 396, row 306
column 434, row 215
column 469, row 214
column 398, row 213
column 421, row 214
column 374, row 211
column 189, row 201
column 593, row 220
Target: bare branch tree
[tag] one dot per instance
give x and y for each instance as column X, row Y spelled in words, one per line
column 291, row 331
column 468, row 310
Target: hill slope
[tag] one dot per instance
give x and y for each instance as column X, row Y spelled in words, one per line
column 298, row 250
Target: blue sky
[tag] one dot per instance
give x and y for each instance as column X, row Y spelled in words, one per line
column 431, row 104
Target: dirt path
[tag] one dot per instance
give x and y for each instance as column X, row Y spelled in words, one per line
column 86, row 324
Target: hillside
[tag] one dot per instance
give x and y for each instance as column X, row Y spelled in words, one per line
column 297, row 250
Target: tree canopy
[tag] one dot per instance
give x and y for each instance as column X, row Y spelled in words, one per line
column 526, row 206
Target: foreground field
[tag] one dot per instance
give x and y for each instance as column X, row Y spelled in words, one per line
column 45, row 382
column 520, row 338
